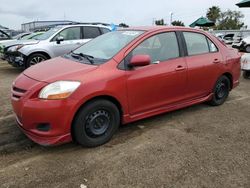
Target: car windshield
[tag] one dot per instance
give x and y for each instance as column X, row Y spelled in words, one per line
column 31, row 36
column 48, row 34
column 106, row 46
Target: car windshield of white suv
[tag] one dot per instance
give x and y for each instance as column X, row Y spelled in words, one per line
column 105, row 46
column 48, row 34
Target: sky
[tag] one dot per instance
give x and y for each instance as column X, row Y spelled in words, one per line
column 132, row 12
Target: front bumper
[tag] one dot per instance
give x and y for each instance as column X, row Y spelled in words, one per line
column 32, row 112
column 15, row 59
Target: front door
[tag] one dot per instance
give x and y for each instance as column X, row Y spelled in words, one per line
column 71, row 40
column 161, row 83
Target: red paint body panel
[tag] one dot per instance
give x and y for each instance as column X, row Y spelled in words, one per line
column 142, row 92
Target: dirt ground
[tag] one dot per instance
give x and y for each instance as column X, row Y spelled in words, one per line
column 200, row 146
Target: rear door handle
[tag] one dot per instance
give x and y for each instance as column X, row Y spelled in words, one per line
column 216, row 61
column 180, row 68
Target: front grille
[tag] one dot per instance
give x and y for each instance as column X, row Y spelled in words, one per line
column 17, row 93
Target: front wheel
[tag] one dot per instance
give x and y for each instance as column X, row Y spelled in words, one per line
column 221, row 91
column 96, row 123
column 246, row 74
column 35, row 59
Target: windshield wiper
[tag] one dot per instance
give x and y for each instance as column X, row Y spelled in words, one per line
column 88, row 57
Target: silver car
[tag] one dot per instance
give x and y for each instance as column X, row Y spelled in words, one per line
column 56, row 42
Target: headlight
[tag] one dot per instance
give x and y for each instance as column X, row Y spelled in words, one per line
column 15, row 48
column 59, row 90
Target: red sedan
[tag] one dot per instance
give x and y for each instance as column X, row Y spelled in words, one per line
column 121, row 77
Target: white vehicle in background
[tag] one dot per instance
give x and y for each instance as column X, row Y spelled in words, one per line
column 57, row 41
column 245, row 65
column 244, row 45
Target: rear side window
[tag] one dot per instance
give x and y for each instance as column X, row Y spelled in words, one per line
column 196, row 43
column 104, row 30
column 91, row 32
column 160, row 47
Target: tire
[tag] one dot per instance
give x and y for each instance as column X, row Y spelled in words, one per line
column 221, row 91
column 34, row 59
column 246, row 74
column 96, row 123
column 247, row 49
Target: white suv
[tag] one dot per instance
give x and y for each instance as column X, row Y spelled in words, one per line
column 55, row 42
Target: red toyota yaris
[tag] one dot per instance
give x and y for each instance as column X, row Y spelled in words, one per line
column 121, row 77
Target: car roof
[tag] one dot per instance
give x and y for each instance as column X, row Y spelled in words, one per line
column 86, row 25
column 158, row 28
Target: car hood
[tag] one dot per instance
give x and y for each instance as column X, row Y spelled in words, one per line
column 4, row 41
column 19, row 42
column 58, row 69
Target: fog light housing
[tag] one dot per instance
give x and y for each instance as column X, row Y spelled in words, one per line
column 44, row 127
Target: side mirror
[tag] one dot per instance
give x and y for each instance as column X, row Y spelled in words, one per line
column 59, row 39
column 140, row 60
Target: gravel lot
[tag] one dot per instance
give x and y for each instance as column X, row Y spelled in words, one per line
column 200, row 146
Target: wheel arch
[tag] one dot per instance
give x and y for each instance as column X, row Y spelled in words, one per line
column 39, row 52
column 103, row 97
column 230, row 77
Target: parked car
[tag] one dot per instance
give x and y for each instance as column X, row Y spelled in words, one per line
column 56, row 42
column 122, row 77
column 230, row 38
column 245, row 65
column 8, row 50
column 244, row 45
column 4, row 36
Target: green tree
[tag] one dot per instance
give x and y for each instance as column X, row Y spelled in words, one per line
column 178, row 23
column 230, row 20
column 214, row 13
column 160, row 22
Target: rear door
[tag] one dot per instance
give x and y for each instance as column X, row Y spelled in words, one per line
column 72, row 39
column 203, row 61
column 161, row 83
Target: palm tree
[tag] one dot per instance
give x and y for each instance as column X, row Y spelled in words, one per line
column 213, row 13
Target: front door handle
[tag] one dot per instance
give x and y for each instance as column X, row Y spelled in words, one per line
column 216, row 61
column 180, row 68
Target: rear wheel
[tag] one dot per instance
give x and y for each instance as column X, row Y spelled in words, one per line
column 248, row 49
column 246, row 74
column 221, row 91
column 35, row 59
column 96, row 123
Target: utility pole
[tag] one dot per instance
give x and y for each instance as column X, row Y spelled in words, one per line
column 171, row 17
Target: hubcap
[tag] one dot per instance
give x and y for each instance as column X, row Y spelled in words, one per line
column 36, row 60
column 97, row 123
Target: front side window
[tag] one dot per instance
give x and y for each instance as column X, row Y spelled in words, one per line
column 91, row 32
column 160, row 47
column 196, row 43
column 73, row 33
